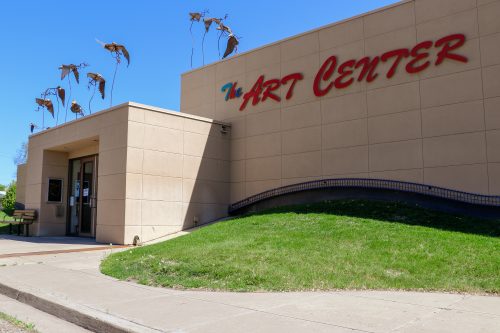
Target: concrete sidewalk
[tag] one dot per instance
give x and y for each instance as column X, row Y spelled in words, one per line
column 11, row 244
column 44, row 323
column 70, row 286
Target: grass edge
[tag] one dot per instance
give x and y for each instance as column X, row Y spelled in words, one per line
column 30, row 327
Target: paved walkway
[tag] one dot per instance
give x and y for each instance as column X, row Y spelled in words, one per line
column 43, row 322
column 14, row 246
column 72, row 281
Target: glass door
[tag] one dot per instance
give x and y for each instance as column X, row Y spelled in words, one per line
column 83, row 197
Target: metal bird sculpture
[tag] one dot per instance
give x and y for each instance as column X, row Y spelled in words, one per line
column 96, row 79
column 46, row 103
column 208, row 23
column 61, row 93
column 32, row 127
column 194, row 17
column 232, row 42
column 117, row 50
column 232, row 45
column 76, row 109
column 224, row 29
column 65, row 70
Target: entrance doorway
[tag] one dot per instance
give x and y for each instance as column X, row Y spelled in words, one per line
column 82, row 197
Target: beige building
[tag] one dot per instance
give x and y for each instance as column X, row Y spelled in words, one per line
column 409, row 93
column 126, row 171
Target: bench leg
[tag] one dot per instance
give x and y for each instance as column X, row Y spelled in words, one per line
column 19, row 230
column 27, row 230
column 10, row 229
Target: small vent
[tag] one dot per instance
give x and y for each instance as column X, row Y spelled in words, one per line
column 59, row 210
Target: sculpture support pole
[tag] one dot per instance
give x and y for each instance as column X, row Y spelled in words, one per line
column 192, row 42
column 57, row 116
column 69, row 99
column 218, row 43
column 113, row 83
column 91, row 98
column 202, row 48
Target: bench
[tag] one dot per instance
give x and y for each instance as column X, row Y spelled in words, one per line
column 23, row 218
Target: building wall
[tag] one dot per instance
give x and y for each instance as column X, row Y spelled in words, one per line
column 158, row 172
column 21, row 184
column 177, row 171
column 439, row 127
column 48, row 156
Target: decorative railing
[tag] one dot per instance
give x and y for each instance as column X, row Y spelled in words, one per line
column 434, row 191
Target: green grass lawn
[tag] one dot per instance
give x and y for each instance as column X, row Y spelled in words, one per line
column 4, row 228
column 25, row 327
column 335, row 245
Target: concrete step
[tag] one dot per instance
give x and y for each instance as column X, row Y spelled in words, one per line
column 60, row 312
column 44, row 322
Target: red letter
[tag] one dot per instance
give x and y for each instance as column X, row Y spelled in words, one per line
column 295, row 77
column 324, row 73
column 446, row 43
column 410, row 67
column 344, row 73
column 368, row 68
column 399, row 54
column 254, row 94
column 270, row 86
column 234, row 91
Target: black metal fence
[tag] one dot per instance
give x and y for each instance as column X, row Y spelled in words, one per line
column 471, row 198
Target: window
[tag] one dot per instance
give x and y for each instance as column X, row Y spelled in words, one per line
column 55, row 190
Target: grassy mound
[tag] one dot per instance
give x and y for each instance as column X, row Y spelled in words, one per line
column 333, row 245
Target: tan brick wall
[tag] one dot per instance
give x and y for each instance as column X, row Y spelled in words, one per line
column 439, row 127
column 177, row 170
column 48, row 157
column 158, row 171
column 21, row 184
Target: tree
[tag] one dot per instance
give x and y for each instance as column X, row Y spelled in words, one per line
column 21, row 154
column 2, row 187
column 9, row 201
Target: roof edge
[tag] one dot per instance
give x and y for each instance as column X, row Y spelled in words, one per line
column 135, row 105
column 402, row 2
column 176, row 113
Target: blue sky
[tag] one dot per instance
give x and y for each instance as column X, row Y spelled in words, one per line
column 38, row 36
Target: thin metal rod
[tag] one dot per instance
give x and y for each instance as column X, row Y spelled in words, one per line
column 113, row 83
column 43, row 119
column 192, row 42
column 91, row 98
column 203, row 48
column 218, row 42
column 57, row 116
column 68, row 100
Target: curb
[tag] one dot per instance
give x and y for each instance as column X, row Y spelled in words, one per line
column 88, row 318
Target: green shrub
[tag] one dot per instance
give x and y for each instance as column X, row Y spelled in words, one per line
column 9, row 201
